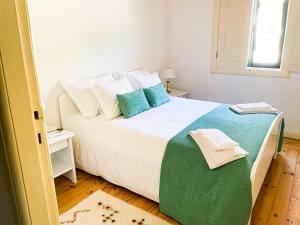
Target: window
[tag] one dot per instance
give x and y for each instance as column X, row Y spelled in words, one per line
column 268, row 32
column 256, row 37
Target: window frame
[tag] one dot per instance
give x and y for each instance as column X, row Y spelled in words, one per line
column 245, row 71
column 278, row 64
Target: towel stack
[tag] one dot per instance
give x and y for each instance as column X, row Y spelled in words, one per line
column 259, row 107
column 217, row 148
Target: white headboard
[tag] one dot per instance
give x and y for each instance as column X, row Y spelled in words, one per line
column 67, row 108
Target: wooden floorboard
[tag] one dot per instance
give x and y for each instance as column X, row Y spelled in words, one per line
column 278, row 214
column 278, row 202
column 278, row 205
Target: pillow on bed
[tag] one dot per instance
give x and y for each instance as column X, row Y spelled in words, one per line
column 133, row 103
column 80, row 93
column 142, row 79
column 106, row 95
column 156, row 95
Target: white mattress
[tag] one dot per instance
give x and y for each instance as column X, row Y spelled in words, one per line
column 129, row 152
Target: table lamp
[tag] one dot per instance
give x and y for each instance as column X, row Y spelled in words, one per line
column 168, row 74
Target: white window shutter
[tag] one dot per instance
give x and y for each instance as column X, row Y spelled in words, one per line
column 233, row 33
column 291, row 59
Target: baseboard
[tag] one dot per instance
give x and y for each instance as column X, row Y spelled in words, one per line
column 292, row 135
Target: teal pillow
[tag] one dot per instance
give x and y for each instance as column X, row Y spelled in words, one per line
column 156, row 95
column 133, row 103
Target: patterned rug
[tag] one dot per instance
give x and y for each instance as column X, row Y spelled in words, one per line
column 101, row 208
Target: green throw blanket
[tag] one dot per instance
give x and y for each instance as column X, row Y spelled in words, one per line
column 193, row 194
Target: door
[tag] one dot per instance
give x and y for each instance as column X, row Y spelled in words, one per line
column 9, row 214
column 22, row 120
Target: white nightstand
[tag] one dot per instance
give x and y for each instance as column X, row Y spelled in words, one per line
column 61, row 153
column 178, row 93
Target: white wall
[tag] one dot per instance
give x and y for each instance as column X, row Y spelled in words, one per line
column 79, row 39
column 190, row 52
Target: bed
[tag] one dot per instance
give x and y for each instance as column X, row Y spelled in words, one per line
column 129, row 153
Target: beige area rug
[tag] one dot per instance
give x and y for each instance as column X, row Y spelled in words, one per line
column 102, row 208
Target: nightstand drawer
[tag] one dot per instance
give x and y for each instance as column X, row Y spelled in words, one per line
column 58, row 146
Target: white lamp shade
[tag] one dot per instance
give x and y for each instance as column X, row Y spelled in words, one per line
column 169, row 73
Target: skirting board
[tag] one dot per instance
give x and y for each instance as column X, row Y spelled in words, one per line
column 292, row 135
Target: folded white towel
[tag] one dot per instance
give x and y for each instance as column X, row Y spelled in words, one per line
column 215, row 139
column 252, row 111
column 216, row 159
column 254, row 106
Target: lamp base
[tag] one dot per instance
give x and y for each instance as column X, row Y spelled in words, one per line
column 168, row 90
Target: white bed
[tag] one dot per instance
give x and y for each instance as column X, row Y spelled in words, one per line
column 129, row 152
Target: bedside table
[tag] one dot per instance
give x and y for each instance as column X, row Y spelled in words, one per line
column 61, row 153
column 178, row 93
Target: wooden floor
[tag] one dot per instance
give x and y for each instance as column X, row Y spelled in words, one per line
column 278, row 202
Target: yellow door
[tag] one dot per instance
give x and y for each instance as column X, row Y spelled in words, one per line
column 22, row 119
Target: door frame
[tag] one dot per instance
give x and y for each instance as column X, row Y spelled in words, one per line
column 22, row 118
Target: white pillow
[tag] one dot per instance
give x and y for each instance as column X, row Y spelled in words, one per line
column 152, row 79
column 80, row 93
column 106, row 94
column 142, row 79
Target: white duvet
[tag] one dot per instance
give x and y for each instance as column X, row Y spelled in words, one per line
column 129, row 152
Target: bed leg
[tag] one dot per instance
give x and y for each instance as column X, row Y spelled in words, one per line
column 249, row 222
column 250, row 218
column 275, row 155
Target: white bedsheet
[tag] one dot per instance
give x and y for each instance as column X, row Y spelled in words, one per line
column 129, row 152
